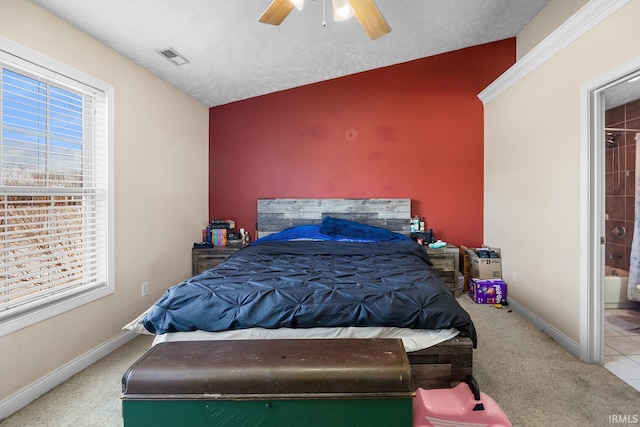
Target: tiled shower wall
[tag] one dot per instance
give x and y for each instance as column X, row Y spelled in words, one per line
column 620, row 205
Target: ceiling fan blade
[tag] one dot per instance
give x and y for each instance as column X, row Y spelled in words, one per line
column 276, row 12
column 370, row 18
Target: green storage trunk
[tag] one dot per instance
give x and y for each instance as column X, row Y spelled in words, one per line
column 318, row 382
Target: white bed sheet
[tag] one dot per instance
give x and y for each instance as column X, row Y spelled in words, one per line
column 412, row 339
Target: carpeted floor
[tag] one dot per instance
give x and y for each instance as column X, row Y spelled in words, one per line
column 88, row 399
column 535, row 381
column 539, row 383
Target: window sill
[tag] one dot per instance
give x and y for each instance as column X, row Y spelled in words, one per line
column 49, row 310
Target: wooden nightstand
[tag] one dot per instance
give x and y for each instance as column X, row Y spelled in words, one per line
column 206, row 258
column 446, row 262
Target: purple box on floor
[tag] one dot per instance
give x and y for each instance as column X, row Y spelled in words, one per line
column 487, row 291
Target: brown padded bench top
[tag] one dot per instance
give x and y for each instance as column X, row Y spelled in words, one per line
column 273, row 368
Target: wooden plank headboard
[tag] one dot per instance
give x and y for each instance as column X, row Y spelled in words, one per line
column 277, row 214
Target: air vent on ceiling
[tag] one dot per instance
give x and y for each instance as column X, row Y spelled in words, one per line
column 174, row 56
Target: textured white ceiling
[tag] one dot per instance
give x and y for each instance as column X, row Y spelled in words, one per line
column 234, row 57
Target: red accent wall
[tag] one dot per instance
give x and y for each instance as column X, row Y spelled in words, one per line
column 412, row 130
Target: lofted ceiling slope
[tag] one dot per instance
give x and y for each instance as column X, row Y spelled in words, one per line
column 234, row 57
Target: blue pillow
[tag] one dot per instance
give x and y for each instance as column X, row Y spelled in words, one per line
column 345, row 228
column 297, row 232
column 336, row 230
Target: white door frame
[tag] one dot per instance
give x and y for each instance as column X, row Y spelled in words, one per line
column 592, row 202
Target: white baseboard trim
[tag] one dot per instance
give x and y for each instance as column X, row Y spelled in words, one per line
column 565, row 342
column 36, row 389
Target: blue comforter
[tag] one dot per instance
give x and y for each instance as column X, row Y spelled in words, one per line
column 304, row 284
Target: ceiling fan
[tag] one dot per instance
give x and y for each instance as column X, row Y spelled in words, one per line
column 365, row 12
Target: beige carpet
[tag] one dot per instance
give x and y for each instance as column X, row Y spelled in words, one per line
column 535, row 381
column 88, row 399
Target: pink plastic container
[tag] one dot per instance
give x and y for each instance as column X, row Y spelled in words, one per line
column 463, row 405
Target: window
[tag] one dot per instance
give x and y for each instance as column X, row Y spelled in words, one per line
column 54, row 192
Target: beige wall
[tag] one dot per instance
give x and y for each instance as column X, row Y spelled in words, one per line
column 161, row 181
column 532, row 170
column 550, row 18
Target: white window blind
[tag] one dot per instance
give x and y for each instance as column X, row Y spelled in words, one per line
column 53, row 188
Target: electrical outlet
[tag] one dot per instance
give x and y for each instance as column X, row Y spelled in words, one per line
column 514, row 277
column 145, row 289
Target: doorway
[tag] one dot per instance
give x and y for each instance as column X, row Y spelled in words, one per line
column 599, row 143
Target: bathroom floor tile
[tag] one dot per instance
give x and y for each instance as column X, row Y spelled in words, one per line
column 623, row 367
column 635, row 358
column 610, row 351
column 623, row 344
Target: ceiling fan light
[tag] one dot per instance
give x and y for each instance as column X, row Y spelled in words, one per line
column 297, row 3
column 342, row 10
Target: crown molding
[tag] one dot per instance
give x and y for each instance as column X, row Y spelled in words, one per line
column 590, row 15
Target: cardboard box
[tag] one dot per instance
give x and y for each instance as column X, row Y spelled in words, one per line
column 487, row 291
column 485, row 268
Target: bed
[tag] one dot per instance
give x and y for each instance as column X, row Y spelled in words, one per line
column 326, row 268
